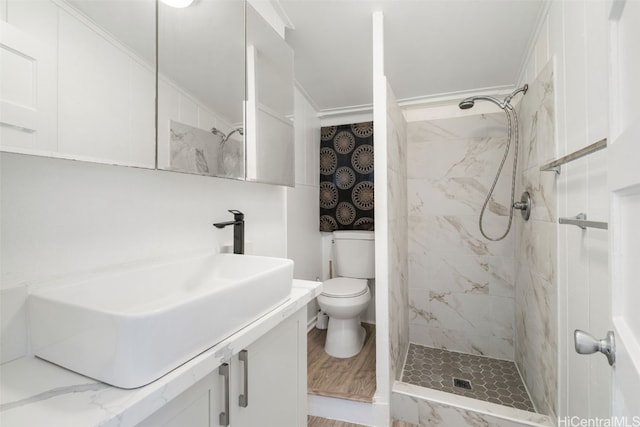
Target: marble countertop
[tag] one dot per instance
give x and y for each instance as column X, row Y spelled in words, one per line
column 34, row 392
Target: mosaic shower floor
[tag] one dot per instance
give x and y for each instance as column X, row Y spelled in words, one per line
column 483, row 378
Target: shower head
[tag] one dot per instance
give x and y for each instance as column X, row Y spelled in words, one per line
column 465, row 104
column 218, row 132
column 470, row 102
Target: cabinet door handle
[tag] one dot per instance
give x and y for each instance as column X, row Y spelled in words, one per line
column 243, row 399
column 224, row 415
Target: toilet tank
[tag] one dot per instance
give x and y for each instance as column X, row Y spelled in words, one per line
column 354, row 254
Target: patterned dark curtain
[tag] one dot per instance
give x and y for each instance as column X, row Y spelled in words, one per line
column 346, row 177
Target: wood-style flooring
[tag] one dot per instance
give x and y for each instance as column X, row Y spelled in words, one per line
column 353, row 378
column 325, row 422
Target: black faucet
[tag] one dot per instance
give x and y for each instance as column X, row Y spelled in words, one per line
column 238, row 230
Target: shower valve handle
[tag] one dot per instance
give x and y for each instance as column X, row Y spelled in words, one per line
column 524, row 205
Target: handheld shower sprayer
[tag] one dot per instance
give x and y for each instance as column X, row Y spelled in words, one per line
column 506, row 106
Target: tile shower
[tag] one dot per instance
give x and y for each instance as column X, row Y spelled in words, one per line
column 469, row 295
column 461, row 286
column 484, row 378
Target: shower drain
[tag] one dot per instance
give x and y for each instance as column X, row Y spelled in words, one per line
column 457, row 382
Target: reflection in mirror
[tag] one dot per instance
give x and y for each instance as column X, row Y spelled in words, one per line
column 269, row 116
column 78, row 80
column 201, row 88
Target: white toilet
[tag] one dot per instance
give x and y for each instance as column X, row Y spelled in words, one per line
column 345, row 297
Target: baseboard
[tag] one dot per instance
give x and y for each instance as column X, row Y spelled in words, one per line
column 349, row 411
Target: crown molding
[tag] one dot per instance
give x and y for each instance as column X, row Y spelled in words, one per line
column 339, row 116
column 453, row 97
column 418, row 102
column 342, row 111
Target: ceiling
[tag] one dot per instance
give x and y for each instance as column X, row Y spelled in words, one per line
column 433, row 48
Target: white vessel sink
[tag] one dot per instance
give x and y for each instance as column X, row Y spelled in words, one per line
column 129, row 328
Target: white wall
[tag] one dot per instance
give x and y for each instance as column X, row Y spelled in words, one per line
column 304, row 240
column 61, row 218
column 303, row 205
column 391, row 225
column 575, row 34
column 383, row 346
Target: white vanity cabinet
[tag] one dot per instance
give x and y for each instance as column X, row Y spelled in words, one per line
column 195, row 407
column 273, row 380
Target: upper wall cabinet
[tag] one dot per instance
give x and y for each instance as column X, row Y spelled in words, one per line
column 207, row 123
column 78, row 80
column 201, row 88
column 269, row 108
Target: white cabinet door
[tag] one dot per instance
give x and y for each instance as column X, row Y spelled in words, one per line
column 624, row 186
column 275, row 390
column 277, row 379
column 199, row 406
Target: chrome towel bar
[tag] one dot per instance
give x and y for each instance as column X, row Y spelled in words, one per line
column 581, row 221
column 555, row 165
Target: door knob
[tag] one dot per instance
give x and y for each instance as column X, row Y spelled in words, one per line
column 586, row 344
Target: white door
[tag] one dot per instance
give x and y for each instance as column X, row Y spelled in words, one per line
column 624, row 187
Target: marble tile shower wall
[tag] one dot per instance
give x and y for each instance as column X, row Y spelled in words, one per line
column 536, row 252
column 461, row 286
column 398, row 235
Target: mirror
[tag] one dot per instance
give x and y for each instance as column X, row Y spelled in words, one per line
column 78, row 80
column 269, row 115
column 202, row 125
column 201, row 88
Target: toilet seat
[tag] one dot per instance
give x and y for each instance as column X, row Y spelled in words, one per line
column 344, row 287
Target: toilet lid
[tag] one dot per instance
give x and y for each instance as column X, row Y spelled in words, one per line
column 342, row 287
